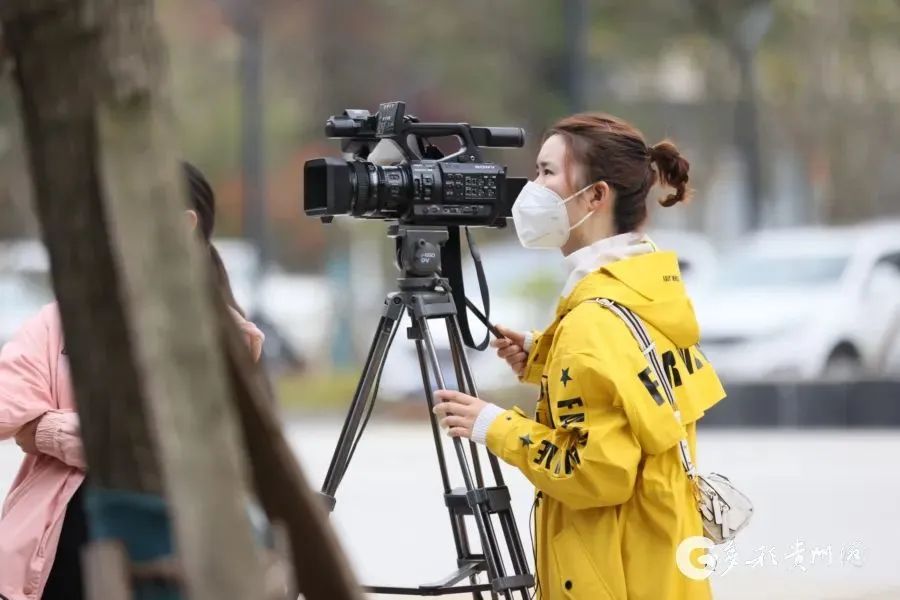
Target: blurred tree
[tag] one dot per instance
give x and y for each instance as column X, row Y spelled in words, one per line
column 740, row 25
column 825, row 83
column 831, row 70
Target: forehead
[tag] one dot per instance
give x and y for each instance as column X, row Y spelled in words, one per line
column 553, row 151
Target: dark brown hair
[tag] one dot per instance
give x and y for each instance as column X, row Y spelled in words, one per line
column 614, row 151
column 203, row 201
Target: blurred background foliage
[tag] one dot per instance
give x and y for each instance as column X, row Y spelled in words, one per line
column 824, row 71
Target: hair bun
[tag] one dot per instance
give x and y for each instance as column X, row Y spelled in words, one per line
column 673, row 171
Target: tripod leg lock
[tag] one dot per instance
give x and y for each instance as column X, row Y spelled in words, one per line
column 495, row 499
column 478, row 496
column 513, row 582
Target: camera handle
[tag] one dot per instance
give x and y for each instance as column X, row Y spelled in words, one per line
column 472, row 138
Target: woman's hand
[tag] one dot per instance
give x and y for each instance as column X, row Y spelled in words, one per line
column 25, row 437
column 252, row 334
column 511, row 348
column 457, row 412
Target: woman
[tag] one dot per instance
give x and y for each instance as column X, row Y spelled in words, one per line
column 613, row 501
column 43, row 525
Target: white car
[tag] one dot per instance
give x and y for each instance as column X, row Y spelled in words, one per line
column 301, row 310
column 21, row 297
column 24, row 284
column 805, row 304
column 293, row 310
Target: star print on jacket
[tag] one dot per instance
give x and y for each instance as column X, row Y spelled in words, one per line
column 566, row 378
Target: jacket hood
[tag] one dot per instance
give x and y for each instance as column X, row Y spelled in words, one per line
column 651, row 286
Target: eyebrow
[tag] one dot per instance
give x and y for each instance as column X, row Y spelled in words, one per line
column 543, row 163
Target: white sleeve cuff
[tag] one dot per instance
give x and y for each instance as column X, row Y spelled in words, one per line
column 529, row 342
column 487, row 416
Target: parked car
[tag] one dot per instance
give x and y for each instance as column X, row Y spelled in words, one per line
column 299, row 311
column 24, row 283
column 21, row 297
column 294, row 329
column 24, row 255
column 294, row 310
column 804, row 303
column 242, row 263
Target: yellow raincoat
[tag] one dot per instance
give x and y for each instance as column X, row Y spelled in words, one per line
column 613, row 501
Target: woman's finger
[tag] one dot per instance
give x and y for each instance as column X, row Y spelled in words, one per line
column 511, row 335
column 455, row 421
column 460, row 432
column 444, row 408
column 511, row 350
column 256, row 346
column 521, row 357
column 449, row 396
column 501, row 342
column 456, row 405
column 505, row 331
column 455, row 397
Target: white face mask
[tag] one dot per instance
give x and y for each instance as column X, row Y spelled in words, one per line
column 541, row 219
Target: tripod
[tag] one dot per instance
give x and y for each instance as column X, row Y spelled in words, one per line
column 425, row 295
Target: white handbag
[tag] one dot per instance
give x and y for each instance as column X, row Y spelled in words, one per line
column 724, row 509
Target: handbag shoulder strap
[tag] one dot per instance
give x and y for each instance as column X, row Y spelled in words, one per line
column 648, row 349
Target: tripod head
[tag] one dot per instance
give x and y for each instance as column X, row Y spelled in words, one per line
column 430, row 258
column 419, row 249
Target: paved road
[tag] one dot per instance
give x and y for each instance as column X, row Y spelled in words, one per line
column 820, row 489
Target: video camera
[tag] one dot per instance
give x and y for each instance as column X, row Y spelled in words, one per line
column 427, row 188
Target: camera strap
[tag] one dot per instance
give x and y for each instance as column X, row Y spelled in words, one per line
column 452, row 262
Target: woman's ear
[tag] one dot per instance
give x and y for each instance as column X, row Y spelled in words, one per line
column 192, row 218
column 601, row 194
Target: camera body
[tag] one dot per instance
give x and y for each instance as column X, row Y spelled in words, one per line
column 426, row 188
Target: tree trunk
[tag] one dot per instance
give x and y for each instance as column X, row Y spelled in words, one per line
column 321, row 570
column 53, row 51
column 100, row 147
column 140, row 329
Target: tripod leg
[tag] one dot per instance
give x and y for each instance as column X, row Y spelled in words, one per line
column 457, row 342
column 457, row 353
column 482, row 519
column 384, row 335
column 507, row 520
column 435, row 429
column 460, row 535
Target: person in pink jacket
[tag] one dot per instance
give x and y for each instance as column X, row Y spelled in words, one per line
column 43, row 526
